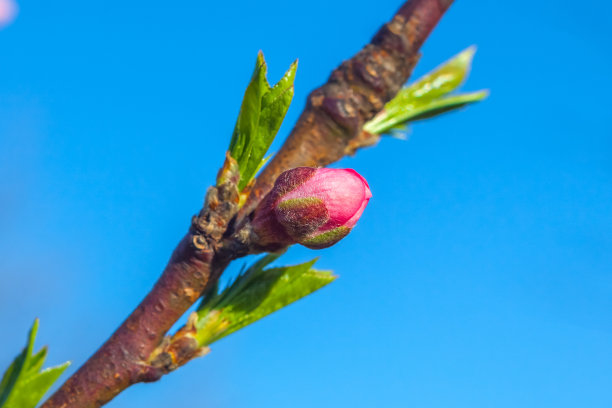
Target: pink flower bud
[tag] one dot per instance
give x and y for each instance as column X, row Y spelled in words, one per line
column 312, row 207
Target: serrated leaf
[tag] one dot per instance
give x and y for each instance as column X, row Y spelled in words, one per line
column 428, row 96
column 248, row 117
column 231, row 292
column 261, row 115
column 284, row 84
column 274, row 107
column 254, row 294
column 24, row 384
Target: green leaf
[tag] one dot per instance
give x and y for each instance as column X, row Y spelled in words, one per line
column 24, row 384
column 443, row 79
column 429, row 109
column 274, row 107
column 254, row 294
column 248, row 118
column 261, row 115
column 428, row 96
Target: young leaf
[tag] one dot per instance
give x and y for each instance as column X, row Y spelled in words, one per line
column 428, row 96
column 445, row 78
column 274, row 107
column 254, row 294
column 248, row 118
column 261, row 114
column 428, row 109
column 24, row 384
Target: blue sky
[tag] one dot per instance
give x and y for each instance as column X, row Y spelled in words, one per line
column 480, row 275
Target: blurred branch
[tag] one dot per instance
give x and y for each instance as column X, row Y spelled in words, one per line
column 331, row 122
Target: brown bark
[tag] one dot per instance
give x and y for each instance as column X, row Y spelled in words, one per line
column 328, row 129
column 131, row 354
column 122, row 360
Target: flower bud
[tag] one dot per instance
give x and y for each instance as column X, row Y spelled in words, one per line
column 310, row 206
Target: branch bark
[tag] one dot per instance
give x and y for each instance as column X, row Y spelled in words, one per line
column 122, row 360
column 128, row 356
column 328, row 129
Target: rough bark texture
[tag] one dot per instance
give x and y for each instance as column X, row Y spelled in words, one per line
column 122, row 360
column 330, row 125
column 328, row 129
column 131, row 354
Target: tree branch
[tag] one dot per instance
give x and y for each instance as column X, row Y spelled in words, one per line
column 126, row 358
column 329, row 128
column 331, row 124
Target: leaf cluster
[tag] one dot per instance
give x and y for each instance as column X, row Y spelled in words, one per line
column 25, row 382
column 254, row 294
column 261, row 114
